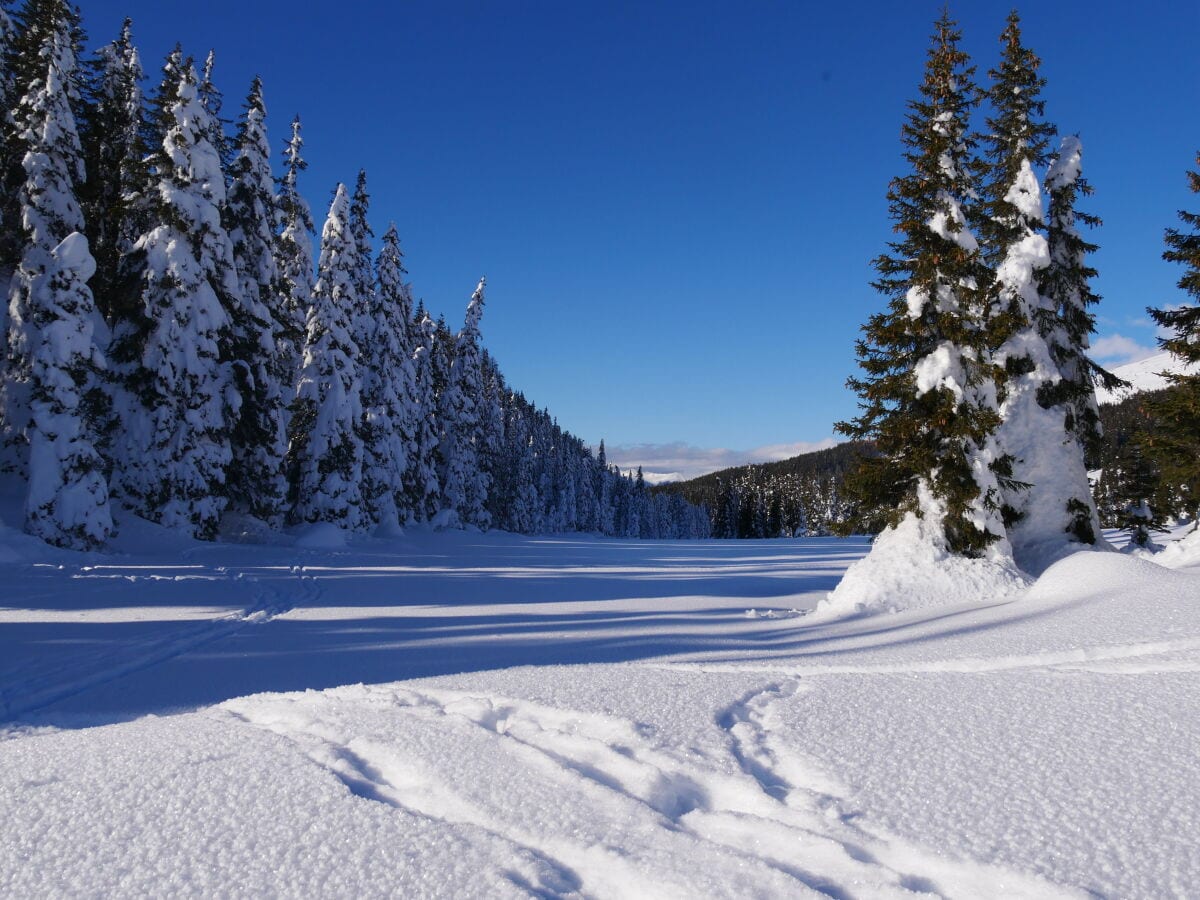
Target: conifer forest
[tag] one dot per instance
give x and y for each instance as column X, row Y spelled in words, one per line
column 175, row 337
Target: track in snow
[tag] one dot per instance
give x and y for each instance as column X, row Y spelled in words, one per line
column 30, row 687
column 594, row 805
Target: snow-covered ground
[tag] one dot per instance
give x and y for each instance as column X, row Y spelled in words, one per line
column 582, row 717
column 1145, row 375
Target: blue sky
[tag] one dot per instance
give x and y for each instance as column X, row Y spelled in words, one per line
column 676, row 205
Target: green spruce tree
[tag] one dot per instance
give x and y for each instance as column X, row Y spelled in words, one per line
column 1066, row 282
column 261, row 372
column 1174, row 442
column 1047, row 500
column 114, row 150
column 927, row 395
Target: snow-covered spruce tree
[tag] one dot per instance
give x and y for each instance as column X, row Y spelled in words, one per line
column 603, row 488
column 1066, row 283
column 293, row 257
column 113, row 151
column 1047, row 501
column 263, row 378
column 421, row 487
column 67, row 502
column 927, row 396
column 23, row 33
column 325, row 452
column 388, row 391
column 213, row 100
column 26, row 35
column 490, row 407
column 1174, row 442
column 364, row 278
column 177, row 403
column 464, row 483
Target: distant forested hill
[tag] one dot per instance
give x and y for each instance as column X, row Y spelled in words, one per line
column 804, row 495
column 797, row 496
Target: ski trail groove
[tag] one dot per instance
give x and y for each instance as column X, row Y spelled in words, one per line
column 28, row 689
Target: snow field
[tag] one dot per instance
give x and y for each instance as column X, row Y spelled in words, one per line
column 1037, row 744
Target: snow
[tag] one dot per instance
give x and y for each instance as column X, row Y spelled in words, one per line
column 941, row 369
column 909, row 568
column 586, row 717
column 1025, row 193
column 1067, row 165
column 1183, row 553
column 950, row 224
column 1145, row 375
column 321, row 536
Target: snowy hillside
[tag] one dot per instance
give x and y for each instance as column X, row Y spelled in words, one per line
column 585, row 717
column 1144, row 375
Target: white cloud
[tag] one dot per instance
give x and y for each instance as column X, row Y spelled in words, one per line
column 1118, row 350
column 678, row 461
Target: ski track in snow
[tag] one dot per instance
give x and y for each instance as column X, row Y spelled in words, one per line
column 772, row 809
column 30, row 687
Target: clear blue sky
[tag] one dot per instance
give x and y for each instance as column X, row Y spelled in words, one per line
column 676, row 205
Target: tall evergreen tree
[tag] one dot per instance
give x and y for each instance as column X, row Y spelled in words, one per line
column 364, row 278
column 114, row 150
column 293, row 256
column 604, row 498
column 464, row 483
column 1066, row 282
column 1174, row 442
column 23, row 35
column 27, row 34
column 259, row 438
column 1048, row 501
column 389, row 402
column 421, row 486
column 52, row 308
column 213, row 101
column 927, row 396
column 490, row 433
column 325, row 453
column 178, row 402
column 67, row 503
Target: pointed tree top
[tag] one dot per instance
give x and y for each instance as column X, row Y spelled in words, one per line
column 340, row 202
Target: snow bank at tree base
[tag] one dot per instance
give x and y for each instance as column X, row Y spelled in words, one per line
column 1182, row 553
column 321, row 536
column 907, row 569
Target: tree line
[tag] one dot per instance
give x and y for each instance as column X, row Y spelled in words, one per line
column 174, row 340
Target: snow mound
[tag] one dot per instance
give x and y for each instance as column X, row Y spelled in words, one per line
column 1088, row 572
column 908, row 568
column 1181, row 553
column 444, row 519
column 321, row 536
column 242, row 528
